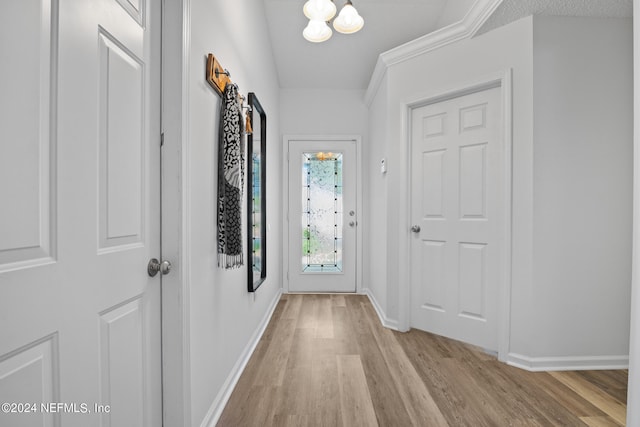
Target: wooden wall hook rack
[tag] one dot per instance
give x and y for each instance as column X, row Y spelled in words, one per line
column 217, row 76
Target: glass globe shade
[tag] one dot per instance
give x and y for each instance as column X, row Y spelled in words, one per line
column 348, row 21
column 321, row 10
column 317, row 31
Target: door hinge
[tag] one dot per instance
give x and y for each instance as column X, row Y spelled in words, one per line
column 161, row 139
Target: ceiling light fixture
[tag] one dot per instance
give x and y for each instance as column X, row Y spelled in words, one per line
column 348, row 21
column 320, row 12
column 317, row 31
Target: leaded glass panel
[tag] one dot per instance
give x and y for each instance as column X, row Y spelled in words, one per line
column 256, row 231
column 322, row 212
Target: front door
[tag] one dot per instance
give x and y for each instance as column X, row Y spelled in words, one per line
column 457, row 214
column 322, row 216
column 79, row 213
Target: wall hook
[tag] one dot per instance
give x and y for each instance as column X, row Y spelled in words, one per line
column 225, row 72
column 217, row 76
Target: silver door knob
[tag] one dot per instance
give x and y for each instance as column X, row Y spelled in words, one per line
column 415, row 228
column 156, row 266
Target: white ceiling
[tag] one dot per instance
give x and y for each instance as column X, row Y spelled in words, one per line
column 347, row 61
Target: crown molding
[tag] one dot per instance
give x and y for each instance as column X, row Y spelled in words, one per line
column 466, row 28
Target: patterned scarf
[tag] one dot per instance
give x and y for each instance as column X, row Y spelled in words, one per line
column 230, row 180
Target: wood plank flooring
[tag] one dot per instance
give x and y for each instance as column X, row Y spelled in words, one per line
column 325, row 360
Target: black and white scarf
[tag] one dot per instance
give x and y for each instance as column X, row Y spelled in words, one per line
column 230, row 180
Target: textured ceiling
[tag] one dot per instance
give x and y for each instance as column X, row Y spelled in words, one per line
column 512, row 10
column 347, row 61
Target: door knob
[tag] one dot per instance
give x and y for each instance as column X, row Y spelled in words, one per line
column 156, row 266
column 415, row 228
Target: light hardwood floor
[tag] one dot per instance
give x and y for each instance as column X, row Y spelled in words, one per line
column 325, row 360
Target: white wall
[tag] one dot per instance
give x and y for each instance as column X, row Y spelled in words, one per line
column 325, row 112
column 217, row 317
column 444, row 69
column 224, row 316
column 376, row 195
column 322, row 112
column 583, row 161
column 550, row 236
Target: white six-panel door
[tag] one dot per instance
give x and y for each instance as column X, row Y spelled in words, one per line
column 79, row 213
column 456, row 213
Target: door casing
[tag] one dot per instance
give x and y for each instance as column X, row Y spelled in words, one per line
column 285, row 200
column 500, row 79
column 175, row 81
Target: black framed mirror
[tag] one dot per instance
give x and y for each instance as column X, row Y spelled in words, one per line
column 256, row 195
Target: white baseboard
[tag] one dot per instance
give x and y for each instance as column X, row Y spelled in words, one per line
column 215, row 411
column 533, row 364
column 386, row 322
column 577, row 363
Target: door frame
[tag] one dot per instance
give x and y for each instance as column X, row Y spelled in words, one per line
column 633, row 395
column 175, row 224
column 285, row 200
column 500, row 79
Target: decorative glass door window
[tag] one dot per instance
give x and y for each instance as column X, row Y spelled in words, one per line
column 256, row 213
column 322, row 212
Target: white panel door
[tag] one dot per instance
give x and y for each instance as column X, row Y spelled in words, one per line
column 79, row 214
column 456, row 215
column 322, row 216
